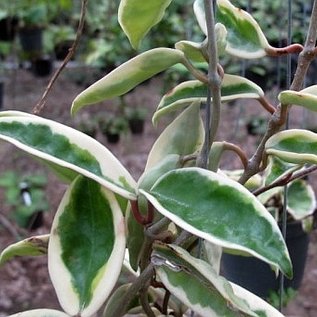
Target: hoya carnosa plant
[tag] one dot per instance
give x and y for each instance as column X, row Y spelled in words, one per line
column 167, row 230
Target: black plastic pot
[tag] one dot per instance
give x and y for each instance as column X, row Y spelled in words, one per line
column 42, row 66
column 257, row 276
column 113, row 137
column 8, row 27
column 136, row 126
column 62, row 49
column 31, row 40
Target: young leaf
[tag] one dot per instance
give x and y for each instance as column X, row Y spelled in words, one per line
column 86, row 247
column 301, row 200
column 128, row 75
column 184, row 136
column 192, row 50
column 196, row 284
column 40, row 313
column 306, row 98
column 137, row 17
column 68, row 149
column 293, row 146
column 32, row 246
column 232, row 88
column 221, row 211
column 245, row 37
column 277, row 169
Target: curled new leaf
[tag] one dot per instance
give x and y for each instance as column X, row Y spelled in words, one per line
column 232, row 88
column 221, row 211
column 137, row 17
column 68, row 150
column 128, row 75
column 306, row 98
column 32, row 246
column 293, row 146
column 86, row 248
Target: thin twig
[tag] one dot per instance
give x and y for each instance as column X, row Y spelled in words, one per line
column 235, row 148
column 135, row 287
column 286, row 179
column 158, row 226
column 10, row 227
column 41, row 104
column 144, row 300
column 165, row 302
column 266, row 105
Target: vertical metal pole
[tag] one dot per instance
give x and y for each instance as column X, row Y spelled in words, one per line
column 288, row 83
column 244, row 64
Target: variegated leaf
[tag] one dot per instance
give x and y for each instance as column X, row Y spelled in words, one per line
column 195, row 283
column 245, row 37
column 128, row 75
column 293, row 146
column 86, row 248
column 33, row 246
column 306, row 98
column 184, row 136
column 221, row 211
column 67, row 150
column 301, row 200
column 277, row 169
column 137, row 17
column 196, row 52
column 40, row 313
column 232, row 87
column 251, row 184
column 212, row 253
column 199, row 11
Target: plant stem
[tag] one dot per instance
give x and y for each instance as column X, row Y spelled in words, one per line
column 194, row 71
column 213, row 88
column 286, row 179
column 136, row 286
column 144, row 299
column 276, row 121
column 40, row 105
column 234, row 148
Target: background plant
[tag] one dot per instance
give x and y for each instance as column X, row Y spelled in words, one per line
column 179, row 215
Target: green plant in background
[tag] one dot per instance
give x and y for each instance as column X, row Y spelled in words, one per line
column 112, row 126
column 175, row 221
column 24, row 209
column 274, row 298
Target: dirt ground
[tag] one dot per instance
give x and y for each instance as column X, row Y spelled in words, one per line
column 24, row 282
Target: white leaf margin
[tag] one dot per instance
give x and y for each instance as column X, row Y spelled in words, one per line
column 42, row 312
column 109, row 164
column 220, row 242
column 58, row 271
